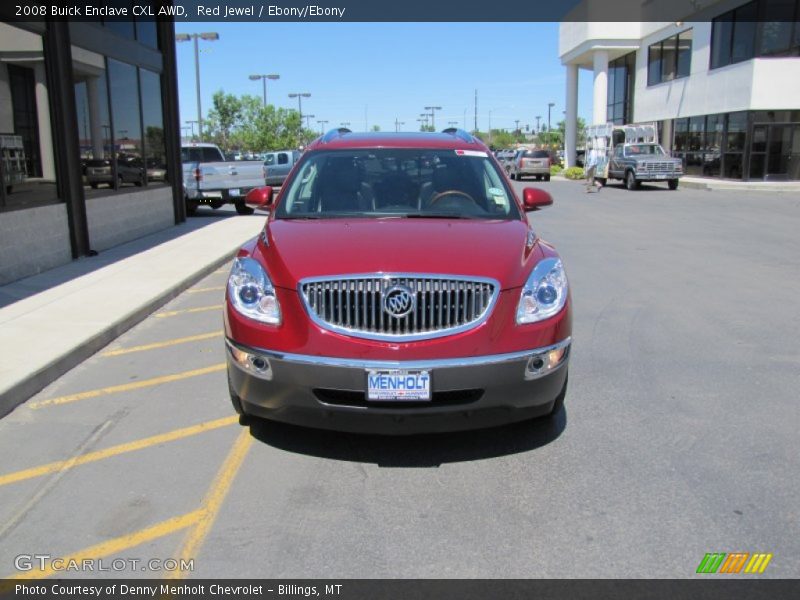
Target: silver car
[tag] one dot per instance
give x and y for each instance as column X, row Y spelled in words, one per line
column 531, row 162
column 278, row 164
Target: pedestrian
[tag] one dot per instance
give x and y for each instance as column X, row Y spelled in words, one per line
column 591, row 170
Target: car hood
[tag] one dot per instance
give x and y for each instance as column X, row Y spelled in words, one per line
column 298, row 249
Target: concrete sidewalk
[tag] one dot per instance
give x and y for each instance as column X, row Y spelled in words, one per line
column 51, row 322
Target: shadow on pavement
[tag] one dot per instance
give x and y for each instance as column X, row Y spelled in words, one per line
column 429, row 450
column 29, row 286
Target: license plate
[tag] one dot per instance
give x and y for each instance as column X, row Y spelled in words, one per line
column 233, row 192
column 398, row 385
column 661, row 176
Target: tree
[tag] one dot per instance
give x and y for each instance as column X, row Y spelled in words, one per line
column 561, row 128
column 376, row 128
column 223, row 117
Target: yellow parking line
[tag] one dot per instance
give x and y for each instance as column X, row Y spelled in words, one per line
column 213, row 500
column 82, row 459
column 207, row 289
column 116, row 545
column 173, row 313
column 127, row 387
column 164, row 344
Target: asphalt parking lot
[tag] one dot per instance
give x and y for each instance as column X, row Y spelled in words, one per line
column 679, row 435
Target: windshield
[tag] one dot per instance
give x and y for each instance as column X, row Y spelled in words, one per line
column 535, row 154
column 644, row 150
column 398, row 182
column 201, row 154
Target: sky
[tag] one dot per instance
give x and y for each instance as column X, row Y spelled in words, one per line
column 375, row 73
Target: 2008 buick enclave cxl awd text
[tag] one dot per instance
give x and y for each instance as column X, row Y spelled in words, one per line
column 397, row 288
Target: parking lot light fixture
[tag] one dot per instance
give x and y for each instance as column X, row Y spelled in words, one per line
column 300, row 96
column 209, row 36
column 264, row 78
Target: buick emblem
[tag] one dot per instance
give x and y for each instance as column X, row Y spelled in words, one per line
column 398, row 301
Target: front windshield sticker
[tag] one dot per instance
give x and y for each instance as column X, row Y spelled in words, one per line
column 471, row 153
column 497, row 192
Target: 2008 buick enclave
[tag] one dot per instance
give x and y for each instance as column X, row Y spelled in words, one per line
column 397, row 287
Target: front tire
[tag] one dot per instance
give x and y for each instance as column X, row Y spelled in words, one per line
column 673, row 184
column 242, row 208
column 630, row 181
column 547, row 177
column 603, row 181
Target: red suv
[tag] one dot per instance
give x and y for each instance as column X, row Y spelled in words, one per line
column 397, row 287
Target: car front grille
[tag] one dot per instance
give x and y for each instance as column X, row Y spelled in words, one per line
column 439, row 305
column 352, row 398
column 656, row 168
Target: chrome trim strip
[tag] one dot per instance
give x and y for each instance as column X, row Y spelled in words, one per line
column 443, row 363
column 402, row 337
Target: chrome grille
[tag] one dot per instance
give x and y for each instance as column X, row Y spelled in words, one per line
column 443, row 305
column 655, row 168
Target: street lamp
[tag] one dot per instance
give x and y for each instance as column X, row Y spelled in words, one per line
column 209, row 36
column 192, row 124
column 538, row 127
column 398, row 123
column 300, row 96
column 264, row 78
column 549, row 106
column 308, row 120
column 453, row 123
column 433, row 110
column 345, row 123
column 322, row 126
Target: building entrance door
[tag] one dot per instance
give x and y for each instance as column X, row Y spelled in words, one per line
column 775, row 152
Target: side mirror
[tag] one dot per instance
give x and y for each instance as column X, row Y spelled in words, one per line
column 260, row 198
column 534, row 199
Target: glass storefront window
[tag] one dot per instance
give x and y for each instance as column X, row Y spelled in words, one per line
column 696, row 133
column 155, row 152
column 27, row 160
column 124, row 93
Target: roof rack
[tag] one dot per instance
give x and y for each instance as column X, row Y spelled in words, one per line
column 459, row 133
column 333, row 133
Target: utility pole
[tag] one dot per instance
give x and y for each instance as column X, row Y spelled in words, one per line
column 549, row 106
column 433, row 110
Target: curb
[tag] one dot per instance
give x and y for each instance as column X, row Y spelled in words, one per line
column 36, row 382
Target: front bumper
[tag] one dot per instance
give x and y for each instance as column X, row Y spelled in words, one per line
column 330, row 393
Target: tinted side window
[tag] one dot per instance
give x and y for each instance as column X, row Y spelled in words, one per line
column 283, row 158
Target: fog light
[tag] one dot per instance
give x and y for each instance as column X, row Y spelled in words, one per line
column 539, row 365
column 259, row 364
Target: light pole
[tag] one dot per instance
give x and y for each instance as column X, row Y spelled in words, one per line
column 433, row 110
column 322, row 126
column 308, row 120
column 192, row 124
column 300, row 96
column 538, row 127
column 345, row 123
column 264, row 78
column 516, row 122
column 423, row 123
column 549, row 106
column 209, row 36
column 398, row 123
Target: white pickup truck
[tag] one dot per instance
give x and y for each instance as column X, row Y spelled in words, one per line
column 209, row 179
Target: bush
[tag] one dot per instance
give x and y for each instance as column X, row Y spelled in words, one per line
column 574, row 173
column 556, row 169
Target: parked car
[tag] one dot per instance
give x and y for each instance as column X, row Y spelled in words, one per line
column 126, row 168
column 156, row 169
column 531, row 162
column 397, row 287
column 209, row 179
column 635, row 163
column 505, row 158
column 278, row 164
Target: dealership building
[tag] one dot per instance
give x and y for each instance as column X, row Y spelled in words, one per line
column 721, row 82
column 89, row 139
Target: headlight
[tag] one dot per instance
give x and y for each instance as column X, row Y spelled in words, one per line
column 545, row 292
column 252, row 293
